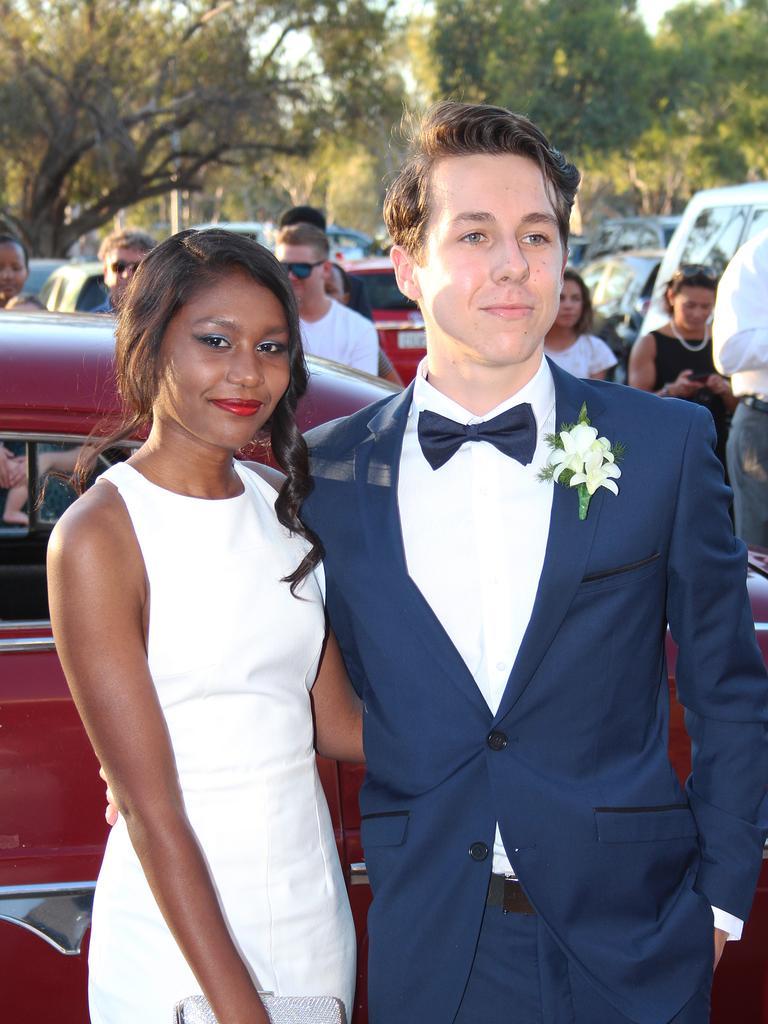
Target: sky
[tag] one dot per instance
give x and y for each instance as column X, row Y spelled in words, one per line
column 653, row 10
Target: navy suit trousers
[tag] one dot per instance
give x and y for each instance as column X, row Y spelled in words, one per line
column 520, row 976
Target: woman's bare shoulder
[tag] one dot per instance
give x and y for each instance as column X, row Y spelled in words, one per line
column 273, row 477
column 96, row 524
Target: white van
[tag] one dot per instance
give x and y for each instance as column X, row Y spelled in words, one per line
column 715, row 223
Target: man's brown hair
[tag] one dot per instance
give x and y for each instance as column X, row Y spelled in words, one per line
column 305, row 234
column 468, row 129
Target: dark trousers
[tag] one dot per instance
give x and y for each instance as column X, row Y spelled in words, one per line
column 520, row 976
column 747, row 456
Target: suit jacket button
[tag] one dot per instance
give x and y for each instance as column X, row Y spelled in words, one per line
column 497, row 740
column 478, row 851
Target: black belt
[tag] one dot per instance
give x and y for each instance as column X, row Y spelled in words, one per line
column 507, row 893
column 753, row 402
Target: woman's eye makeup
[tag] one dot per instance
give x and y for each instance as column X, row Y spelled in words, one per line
column 213, row 340
column 273, row 347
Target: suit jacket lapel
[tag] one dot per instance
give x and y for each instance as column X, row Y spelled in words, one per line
column 377, row 466
column 568, row 545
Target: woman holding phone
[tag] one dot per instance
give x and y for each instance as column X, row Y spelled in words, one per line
column 676, row 360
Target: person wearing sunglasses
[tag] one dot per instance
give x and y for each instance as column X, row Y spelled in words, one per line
column 121, row 252
column 328, row 327
column 676, row 361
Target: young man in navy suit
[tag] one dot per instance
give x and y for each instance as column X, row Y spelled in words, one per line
column 531, row 853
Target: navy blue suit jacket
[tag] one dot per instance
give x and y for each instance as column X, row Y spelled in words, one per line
column 621, row 863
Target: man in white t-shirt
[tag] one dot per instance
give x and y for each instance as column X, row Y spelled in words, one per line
column 328, row 328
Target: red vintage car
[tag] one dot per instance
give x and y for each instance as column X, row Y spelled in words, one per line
column 55, row 385
column 397, row 318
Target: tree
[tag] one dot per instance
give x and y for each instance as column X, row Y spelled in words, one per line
column 710, row 105
column 111, row 102
column 582, row 72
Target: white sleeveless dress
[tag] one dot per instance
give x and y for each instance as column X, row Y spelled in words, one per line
column 232, row 654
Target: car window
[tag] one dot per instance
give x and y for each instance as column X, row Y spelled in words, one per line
column 715, row 236
column 28, row 512
column 92, row 294
column 592, row 276
column 51, row 290
column 619, row 284
column 383, row 292
column 758, row 223
column 647, row 237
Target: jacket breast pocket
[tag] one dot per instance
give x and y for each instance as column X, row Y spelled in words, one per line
column 387, row 829
column 621, row 575
column 644, row 824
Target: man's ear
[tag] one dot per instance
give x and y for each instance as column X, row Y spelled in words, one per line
column 405, row 272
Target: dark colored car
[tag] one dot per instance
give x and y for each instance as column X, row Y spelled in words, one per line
column 397, row 318
column 621, row 285
column 56, row 384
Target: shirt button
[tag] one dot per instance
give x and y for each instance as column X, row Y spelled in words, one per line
column 500, row 666
column 478, row 851
column 497, row 740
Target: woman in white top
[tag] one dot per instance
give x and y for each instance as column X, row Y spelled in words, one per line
column 194, row 678
column 567, row 342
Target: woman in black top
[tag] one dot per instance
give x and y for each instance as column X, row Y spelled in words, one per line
column 676, row 360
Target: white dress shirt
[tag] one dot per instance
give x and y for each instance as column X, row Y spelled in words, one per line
column 740, row 327
column 464, row 525
column 458, row 547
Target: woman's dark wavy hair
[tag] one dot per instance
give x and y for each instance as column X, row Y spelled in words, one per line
column 584, row 324
column 165, row 280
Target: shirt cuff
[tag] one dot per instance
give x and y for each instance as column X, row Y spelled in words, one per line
column 728, row 923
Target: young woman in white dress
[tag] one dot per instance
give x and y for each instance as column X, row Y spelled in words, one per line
column 568, row 342
column 186, row 600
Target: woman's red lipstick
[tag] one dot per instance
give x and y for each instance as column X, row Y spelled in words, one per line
column 238, row 406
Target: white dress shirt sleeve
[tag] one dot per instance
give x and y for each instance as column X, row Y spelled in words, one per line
column 740, row 327
column 728, row 923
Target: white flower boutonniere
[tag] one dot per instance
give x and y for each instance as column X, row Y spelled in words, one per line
column 579, row 458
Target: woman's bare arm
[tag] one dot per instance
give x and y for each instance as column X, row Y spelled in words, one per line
column 338, row 710
column 641, row 372
column 98, row 598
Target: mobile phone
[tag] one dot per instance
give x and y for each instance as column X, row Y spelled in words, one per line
column 700, row 376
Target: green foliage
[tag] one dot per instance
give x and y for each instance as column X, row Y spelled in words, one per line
column 652, row 119
column 580, row 71
column 113, row 102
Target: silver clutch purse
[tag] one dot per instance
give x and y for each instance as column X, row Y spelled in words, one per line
column 280, row 1009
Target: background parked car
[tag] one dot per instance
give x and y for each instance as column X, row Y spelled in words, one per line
column 577, row 247
column 260, row 231
column 397, row 318
column 622, row 233
column 39, row 271
column 620, row 285
column 347, row 243
column 715, row 223
column 74, row 287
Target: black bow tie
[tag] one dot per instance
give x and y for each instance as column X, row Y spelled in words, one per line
column 513, row 432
